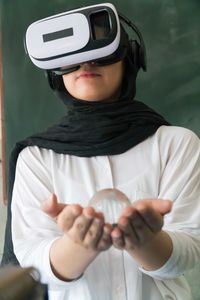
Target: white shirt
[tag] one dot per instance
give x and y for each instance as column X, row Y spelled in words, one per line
column 166, row 166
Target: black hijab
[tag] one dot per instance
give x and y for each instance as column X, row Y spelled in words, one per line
column 90, row 129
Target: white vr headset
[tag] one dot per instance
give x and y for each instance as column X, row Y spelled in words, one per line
column 73, row 37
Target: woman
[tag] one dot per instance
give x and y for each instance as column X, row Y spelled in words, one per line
column 107, row 140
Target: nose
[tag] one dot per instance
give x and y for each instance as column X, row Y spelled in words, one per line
column 88, row 63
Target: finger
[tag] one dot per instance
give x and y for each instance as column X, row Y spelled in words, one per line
column 117, row 238
column 151, row 217
column 140, row 227
column 81, row 225
column 162, row 206
column 100, row 215
column 67, row 217
column 93, row 234
column 52, row 207
column 105, row 240
column 131, row 238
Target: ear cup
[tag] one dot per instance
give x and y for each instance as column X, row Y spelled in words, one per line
column 134, row 53
column 137, row 54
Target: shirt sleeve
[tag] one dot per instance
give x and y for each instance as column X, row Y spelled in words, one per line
column 180, row 182
column 33, row 231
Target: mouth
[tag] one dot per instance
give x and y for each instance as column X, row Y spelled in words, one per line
column 88, row 75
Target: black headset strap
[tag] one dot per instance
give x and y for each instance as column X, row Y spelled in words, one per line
column 139, row 35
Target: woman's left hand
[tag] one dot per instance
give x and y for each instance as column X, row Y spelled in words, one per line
column 140, row 223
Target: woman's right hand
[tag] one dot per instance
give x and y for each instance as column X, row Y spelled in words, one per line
column 85, row 234
column 84, row 226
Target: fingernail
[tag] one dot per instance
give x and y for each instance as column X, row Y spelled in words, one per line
column 117, row 235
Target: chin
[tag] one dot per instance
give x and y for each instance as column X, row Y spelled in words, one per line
column 91, row 98
column 90, row 93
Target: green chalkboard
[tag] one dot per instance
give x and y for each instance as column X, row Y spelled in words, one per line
column 171, row 86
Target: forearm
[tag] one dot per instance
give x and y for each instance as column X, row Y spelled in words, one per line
column 69, row 259
column 155, row 253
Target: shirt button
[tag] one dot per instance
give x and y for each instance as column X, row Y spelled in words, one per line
column 120, row 291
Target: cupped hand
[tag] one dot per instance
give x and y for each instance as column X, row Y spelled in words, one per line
column 139, row 223
column 83, row 226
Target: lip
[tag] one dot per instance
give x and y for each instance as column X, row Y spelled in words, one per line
column 87, row 75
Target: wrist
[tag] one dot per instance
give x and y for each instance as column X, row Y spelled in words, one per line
column 154, row 254
column 69, row 259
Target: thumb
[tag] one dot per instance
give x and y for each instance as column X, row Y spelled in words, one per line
column 162, row 206
column 52, row 207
